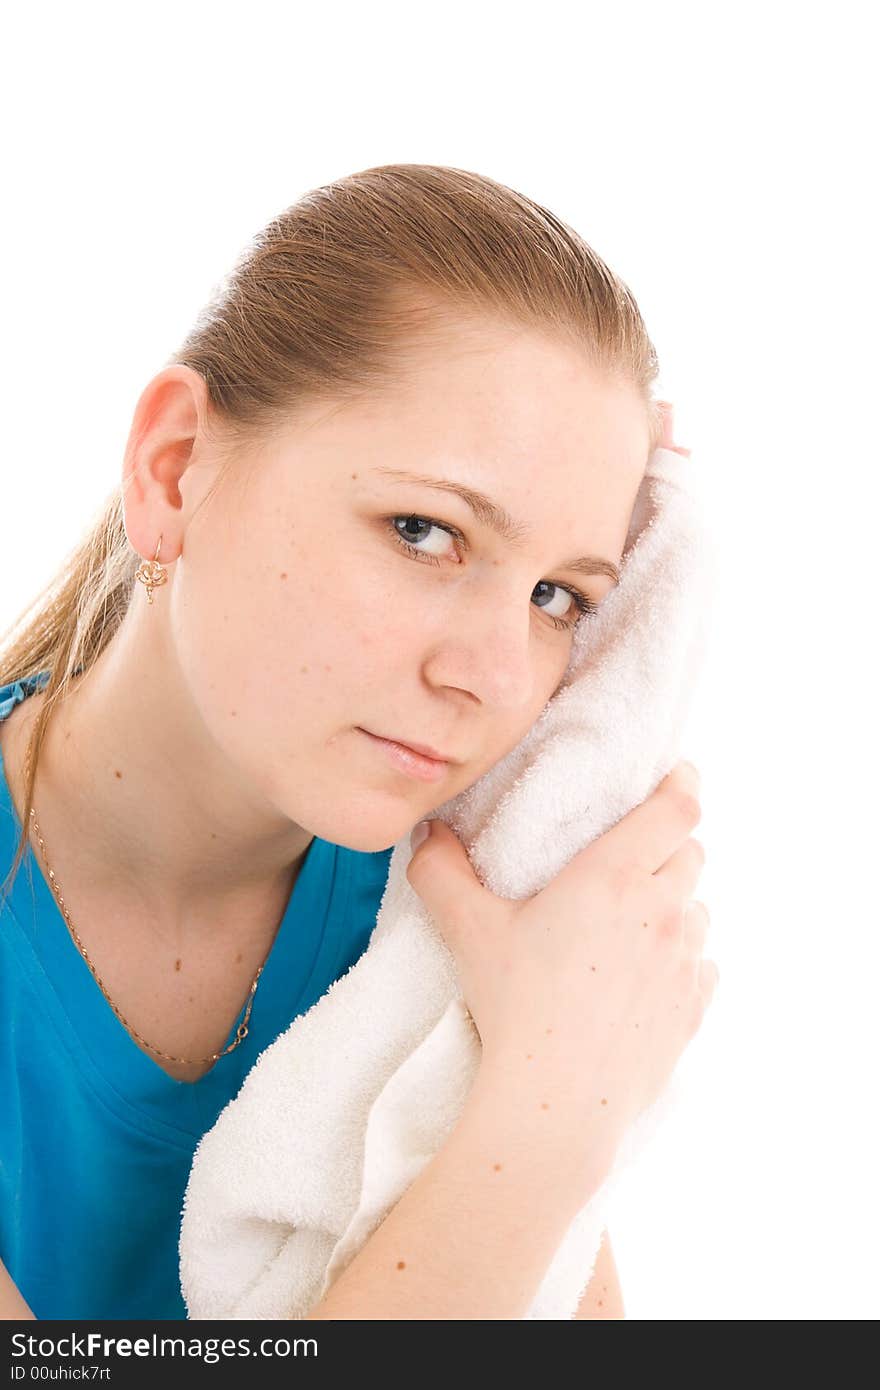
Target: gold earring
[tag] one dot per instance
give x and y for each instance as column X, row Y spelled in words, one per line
column 152, row 573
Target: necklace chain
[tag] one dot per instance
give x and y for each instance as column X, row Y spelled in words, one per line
column 240, row 1033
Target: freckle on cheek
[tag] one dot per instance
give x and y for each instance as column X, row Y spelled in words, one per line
column 401, row 1264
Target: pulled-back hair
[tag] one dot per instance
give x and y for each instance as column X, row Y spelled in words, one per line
column 329, row 300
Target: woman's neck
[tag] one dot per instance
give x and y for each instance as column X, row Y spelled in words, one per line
column 136, row 801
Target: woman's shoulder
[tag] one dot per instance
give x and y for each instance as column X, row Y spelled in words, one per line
column 369, row 872
column 370, row 861
column 16, row 711
column 13, row 692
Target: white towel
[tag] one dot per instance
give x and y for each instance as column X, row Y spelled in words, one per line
column 342, row 1111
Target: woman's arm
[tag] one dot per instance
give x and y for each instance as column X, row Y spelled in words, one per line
column 474, row 1234
column 602, row 1297
column 12, row 1305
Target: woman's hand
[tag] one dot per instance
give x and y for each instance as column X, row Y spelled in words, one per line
column 592, row 988
column 666, row 434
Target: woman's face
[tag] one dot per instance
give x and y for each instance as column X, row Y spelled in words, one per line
column 318, row 595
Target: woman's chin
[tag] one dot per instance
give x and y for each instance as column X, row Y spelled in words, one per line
column 366, row 821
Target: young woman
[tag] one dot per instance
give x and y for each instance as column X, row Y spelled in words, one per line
column 363, row 506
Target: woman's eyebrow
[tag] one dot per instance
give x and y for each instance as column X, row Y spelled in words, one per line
column 493, row 515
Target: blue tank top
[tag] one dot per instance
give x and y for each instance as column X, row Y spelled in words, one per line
column 96, row 1140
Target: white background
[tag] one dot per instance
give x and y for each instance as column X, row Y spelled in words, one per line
column 722, row 159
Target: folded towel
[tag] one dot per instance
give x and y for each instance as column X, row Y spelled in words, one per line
column 343, row 1110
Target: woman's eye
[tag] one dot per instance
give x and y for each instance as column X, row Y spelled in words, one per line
column 574, row 603
column 416, row 524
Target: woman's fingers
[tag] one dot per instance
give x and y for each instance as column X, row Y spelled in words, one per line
column 667, row 431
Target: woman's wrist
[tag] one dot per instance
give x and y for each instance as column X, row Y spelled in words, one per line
column 509, row 1107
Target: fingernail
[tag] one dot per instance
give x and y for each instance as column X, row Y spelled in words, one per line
column 419, row 833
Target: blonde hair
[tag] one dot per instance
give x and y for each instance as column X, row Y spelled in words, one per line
column 329, row 300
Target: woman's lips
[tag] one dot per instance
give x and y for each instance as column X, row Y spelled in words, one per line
column 407, row 760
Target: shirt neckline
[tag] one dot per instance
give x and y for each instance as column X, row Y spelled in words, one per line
column 289, row 977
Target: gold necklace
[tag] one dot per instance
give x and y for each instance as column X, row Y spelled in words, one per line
column 240, row 1033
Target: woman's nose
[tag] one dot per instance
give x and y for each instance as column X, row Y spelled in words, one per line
column 491, row 656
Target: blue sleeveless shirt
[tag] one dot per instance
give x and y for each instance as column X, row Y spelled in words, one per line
column 96, row 1140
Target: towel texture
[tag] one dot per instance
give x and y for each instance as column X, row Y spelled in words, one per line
column 340, row 1114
